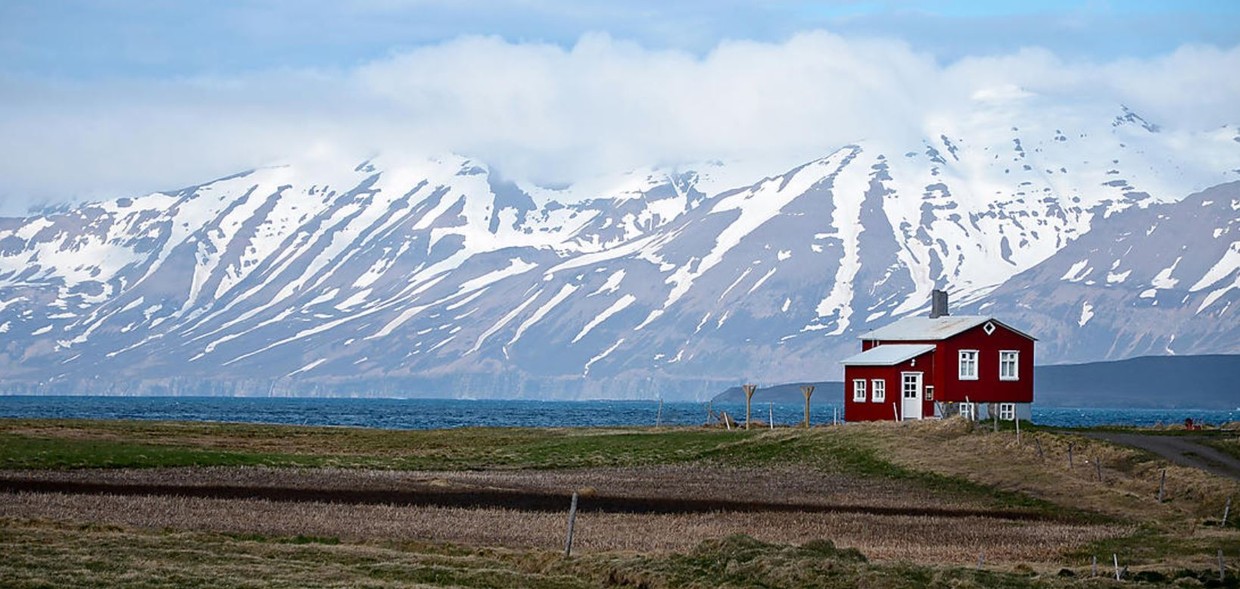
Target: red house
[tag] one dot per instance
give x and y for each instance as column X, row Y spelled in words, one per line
column 925, row 367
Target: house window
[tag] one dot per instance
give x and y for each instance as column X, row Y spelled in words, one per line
column 968, row 411
column 880, row 390
column 1008, row 365
column 968, row 364
column 858, row 390
column 1007, row 411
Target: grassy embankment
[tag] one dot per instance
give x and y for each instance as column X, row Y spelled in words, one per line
column 943, row 463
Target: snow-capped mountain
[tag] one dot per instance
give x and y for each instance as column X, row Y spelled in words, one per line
column 440, row 277
column 1160, row 280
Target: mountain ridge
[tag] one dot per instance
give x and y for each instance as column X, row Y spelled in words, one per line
column 438, row 274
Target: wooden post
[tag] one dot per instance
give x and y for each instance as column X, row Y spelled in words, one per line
column 572, row 521
column 835, row 415
column 1098, row 468
column 981, row 559
column 1094, row 569
column 749, row 390
column 808, row 391
column 770, row 414
column 895, row 411
column 1041, row 456
column 1017, row 430
column 1162, row 485
column 1222, row 571
column 1070, row 445
column 1226, row 511
column 1115, row 557
column 658, row 418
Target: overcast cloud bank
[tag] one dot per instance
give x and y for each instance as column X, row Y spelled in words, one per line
column 554, row 114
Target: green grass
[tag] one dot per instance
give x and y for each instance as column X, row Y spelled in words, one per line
column 68, row 444
column 20, row 452
column 1150, row 546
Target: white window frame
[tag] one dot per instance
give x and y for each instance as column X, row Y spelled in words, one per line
column 1007, row 411
column 878, row 387
column 858, row 390
column 968, row 358
column 1014, row 364
column 968, row 410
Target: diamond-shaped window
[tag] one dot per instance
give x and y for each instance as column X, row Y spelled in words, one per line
column 989, row 328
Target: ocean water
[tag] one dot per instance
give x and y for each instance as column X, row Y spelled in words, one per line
column 454, row 413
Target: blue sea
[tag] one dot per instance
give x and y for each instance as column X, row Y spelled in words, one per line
column 454, row 413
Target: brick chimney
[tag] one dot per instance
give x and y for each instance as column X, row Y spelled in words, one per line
column 938, row 304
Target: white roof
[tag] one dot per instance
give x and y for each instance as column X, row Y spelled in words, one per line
column 922, row 328
column 888, row 355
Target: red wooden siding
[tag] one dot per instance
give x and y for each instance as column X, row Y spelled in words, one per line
column 892, row 376
column 987, row 388
column 940, row 369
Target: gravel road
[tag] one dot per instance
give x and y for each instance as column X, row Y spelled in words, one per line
column 1182, row 450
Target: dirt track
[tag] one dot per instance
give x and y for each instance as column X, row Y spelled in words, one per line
column 1182, row 450
column 491, row 498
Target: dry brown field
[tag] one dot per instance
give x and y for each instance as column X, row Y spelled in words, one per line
column 935, row 499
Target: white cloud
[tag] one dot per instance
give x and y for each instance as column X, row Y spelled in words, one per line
column 554, row 113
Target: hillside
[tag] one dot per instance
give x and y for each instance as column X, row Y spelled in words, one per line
column 440, row 277
column 1199, row 382
column 824, row 393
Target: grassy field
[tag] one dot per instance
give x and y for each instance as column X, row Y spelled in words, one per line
column 879, row 505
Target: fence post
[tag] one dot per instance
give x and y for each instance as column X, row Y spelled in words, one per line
column 807, row 391
column 572, row 521
column 770, row 414
column 1098, row 468
column 1162, row 485
column 1115, row 557
column 1222, row 571
column 1093, row 570
column 895, row 411
column 749, row 390
column 1226, row 511
column 1070, row 446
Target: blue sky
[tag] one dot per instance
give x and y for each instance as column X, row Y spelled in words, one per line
column 156, row 38
column 139, row 95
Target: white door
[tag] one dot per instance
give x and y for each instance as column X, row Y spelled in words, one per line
column 911, row 392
